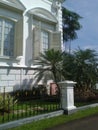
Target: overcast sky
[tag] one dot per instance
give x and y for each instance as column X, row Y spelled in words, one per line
column 88, row 35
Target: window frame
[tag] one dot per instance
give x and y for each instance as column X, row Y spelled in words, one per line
column 44, row 26
column 4, row 21
column 44, row 40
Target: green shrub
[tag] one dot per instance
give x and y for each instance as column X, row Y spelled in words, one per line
column 6, row 102
column 84, row 94
column 35, row 93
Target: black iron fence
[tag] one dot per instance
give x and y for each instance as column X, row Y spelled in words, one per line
column 25, row 103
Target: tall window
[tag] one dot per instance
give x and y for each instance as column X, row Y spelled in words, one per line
column 45, row 40
column 43, row 35
column 6, row 37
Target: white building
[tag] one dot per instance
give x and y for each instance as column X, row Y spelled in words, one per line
column 27, row 27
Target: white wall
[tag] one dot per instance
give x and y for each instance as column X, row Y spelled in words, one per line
column 16, row 78
column 29, row 4
column 27, row 25
column 13, row 74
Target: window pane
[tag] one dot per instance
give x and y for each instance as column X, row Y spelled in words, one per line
column 45, row 41
column 0, row 34
column 8, row 38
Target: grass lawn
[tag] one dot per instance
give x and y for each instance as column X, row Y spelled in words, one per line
column 47, row 123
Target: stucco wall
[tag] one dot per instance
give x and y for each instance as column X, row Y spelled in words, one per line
column 13, row 78
column 29, row 4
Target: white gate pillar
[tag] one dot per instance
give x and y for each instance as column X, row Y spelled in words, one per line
column 67, row 96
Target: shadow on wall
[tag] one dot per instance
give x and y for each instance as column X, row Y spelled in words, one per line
column 25, row 84
column 22, row 85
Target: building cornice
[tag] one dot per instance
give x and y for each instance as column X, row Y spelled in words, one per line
column 15, row 4
column 60, row 1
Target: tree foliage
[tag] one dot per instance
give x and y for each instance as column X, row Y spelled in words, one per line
column 81, row 66
column 70, row 24
column 51, row 65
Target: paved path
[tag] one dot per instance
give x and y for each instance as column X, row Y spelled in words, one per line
column 88, row 123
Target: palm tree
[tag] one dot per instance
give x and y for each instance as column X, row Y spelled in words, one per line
column 81, row 66
column 70, row 25
column 86, row 67
column 68, row 66
column 51, row 65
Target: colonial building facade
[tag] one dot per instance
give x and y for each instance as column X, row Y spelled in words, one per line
column 27, row 27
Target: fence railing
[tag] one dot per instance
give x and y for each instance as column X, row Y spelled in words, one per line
column 26, row 103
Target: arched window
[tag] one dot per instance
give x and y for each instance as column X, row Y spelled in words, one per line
column 44, row 31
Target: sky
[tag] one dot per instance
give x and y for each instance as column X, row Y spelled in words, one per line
column 88, row 34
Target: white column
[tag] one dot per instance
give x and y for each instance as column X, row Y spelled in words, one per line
column 67, row 96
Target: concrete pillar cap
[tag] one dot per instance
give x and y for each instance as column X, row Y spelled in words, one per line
column 67, row 82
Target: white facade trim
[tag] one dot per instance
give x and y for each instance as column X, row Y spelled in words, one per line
column 43, row 13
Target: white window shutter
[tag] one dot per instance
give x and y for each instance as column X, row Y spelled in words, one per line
column 55, row 40
column 37, row 42
column 18, row 37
